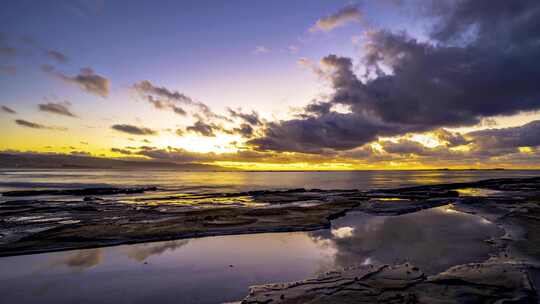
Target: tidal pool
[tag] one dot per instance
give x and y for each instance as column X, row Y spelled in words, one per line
column 220, row 269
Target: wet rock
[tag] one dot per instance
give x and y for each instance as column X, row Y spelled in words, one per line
column 489, row 282
column 99, row 222
column 79, row 192
column 390, row 207
column 92, row 198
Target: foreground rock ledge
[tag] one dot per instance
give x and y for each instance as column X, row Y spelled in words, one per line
column 32, row 225
column 494, row 281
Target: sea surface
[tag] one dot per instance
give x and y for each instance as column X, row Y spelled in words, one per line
column 195, row 182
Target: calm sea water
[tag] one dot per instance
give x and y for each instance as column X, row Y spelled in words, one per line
column 239, row 181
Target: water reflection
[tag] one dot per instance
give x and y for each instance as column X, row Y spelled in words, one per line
column 140, row 252
column 80, row 259
column 430, row 238
column 219, row 269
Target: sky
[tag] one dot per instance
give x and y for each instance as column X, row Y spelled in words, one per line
column 274, row 85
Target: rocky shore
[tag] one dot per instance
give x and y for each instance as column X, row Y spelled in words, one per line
column 101, row 218
column 32, row 223
column 495, row 281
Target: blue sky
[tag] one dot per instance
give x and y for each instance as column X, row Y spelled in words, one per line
column 194, row 46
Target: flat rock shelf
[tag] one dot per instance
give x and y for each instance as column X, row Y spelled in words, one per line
column 44, row 221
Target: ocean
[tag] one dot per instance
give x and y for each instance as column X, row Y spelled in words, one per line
column 204, row 182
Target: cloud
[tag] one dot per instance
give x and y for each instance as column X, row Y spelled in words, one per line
column 6, row 50
column 415, row 86
column 163, row 98
column 80, row 153
column 8, row 110
column 146, row 87
column 33, row 125
column 451, row 139
column 180, row 155
column 56, row 108
column 404, row 146
column 487, row 20
column 47, row 68
column 8, row 70
column 203, row 128
column 245, row 130
column 305, row 62
column 87, row 80
column 342, row 17
column 527, row 135
column 56, row 55
column 485, row 146
column 250, row 118
column 121, row 151
column 133, row 130
column 293, row 49
column 332, row 131
column 260, row 49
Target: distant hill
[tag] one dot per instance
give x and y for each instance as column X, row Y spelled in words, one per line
column 59, row 161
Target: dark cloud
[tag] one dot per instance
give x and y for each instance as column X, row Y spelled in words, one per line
column 8, row 110
column 33, row 125
column 29, row 124
column 56, row 55
column 147, row 87
column 7, row 50
column 163, row 98
column 404, row 146
column 134, row 130
column 245, row 130
column 318, row 134
column 414, row 86
column 250, row 118
column 485, row 146
column 87, row 80
column 47, row 68
column 489, row 20
column 203, row 128
column 527, row 135
column 451, row 139
column 178, row 110
column 180, row 155
column 8, row 70
column 57, row 108
column 80, row 153
column 342, row 17
column 318, row 108
column 121, row 151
